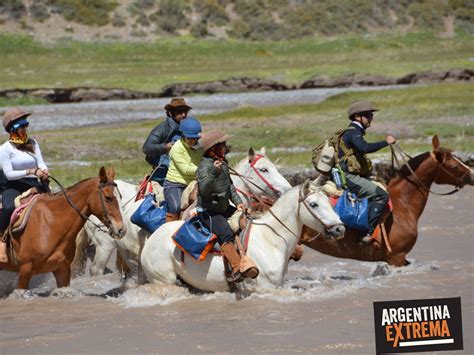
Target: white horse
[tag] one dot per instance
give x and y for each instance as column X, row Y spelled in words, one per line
column 272, row 239
column 258, row 176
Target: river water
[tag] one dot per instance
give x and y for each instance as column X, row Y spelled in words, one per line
column 110, row 112
column 324, row 306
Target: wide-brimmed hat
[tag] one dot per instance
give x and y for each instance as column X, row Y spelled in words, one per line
column 211, row 138
column 12, row 115
column 177, row 102
column 360, row 106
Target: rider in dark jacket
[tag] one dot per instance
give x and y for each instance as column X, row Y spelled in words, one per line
column 163, row 136
column 357, row 167
column 215, row 189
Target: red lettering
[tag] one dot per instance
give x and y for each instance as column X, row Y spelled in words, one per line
column 435, row 329
column 388, row 333
column 416, row 330
column 445, row 329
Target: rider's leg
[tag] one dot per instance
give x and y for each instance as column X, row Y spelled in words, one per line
column 8, row 198
column 218, row 225
column 363, row 187
column 173, row 192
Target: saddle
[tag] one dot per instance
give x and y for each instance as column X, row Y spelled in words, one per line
column 24, row 205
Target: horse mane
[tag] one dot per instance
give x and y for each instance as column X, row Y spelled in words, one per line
column 60, row 192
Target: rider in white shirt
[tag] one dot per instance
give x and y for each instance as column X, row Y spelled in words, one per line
column 22, row 165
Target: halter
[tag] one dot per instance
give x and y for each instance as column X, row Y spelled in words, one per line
column 439, row 166
column 105, row 212
column 269, row 185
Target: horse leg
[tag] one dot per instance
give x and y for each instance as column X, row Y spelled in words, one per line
column 397, row 259
column 63, row 275
column 25, row 274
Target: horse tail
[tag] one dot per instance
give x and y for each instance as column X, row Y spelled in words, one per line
column 78, row 265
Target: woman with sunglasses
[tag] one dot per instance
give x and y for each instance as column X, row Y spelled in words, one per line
column 22, row 165
column 357, row 167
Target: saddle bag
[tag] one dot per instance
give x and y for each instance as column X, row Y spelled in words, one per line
column 194, row 238
column 353, row 211
column 148, row 216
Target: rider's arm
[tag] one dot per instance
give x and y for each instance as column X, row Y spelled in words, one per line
column 39, row 157
column 356, row 140
column 154, row 145
column 182, row 161
column 7, row 167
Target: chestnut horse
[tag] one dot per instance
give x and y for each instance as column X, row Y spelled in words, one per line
column 409, row 193
column 48, row 242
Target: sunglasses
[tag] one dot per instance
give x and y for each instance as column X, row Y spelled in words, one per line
column 19, row 125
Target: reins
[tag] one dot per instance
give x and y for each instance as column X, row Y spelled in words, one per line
column 302, row 199
column 83, row 216
column 440, row 166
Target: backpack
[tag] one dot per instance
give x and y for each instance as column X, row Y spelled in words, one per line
column 332, row 141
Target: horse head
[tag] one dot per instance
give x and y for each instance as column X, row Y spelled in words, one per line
column 451, row 171
column 105, row 205
column 260, row 176
column 317, row 213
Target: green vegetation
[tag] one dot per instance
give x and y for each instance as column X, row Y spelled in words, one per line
column 412, row 115
column 25, row 63
column 254, row 19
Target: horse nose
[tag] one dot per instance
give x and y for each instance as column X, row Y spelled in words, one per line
column 121, row 232
column 337, row 231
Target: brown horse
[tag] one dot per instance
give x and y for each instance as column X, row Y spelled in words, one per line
column 409, row 193
column 48, row 242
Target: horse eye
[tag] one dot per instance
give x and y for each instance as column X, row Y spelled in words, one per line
column 263, row 170
column 313, row 205
column 109, row 198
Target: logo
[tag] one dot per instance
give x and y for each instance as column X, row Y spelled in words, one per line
column 418, row 325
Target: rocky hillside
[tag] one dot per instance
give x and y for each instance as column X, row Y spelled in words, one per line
column 147, row 20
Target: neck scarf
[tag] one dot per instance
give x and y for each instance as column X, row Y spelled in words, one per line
column 18, row 139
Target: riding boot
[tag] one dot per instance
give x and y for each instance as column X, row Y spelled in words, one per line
column 248, row 269
column 170, row 217
column 233, row 257
column 3, row 249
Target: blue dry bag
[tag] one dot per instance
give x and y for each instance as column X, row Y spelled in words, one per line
column 194, row 238
column 353, row 211
column 148, row 216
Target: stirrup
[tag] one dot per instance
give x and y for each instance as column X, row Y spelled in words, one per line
column 366, row 240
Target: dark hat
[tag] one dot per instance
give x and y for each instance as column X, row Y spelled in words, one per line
column 360, row 106
column 177, row 102
column 12, row 115
column 211, row 138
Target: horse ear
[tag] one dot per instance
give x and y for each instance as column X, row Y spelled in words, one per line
column 111, row 173
column 102, row 174
column 251, row 154
column 306, row 189
column 263, row 151
column 435, row 142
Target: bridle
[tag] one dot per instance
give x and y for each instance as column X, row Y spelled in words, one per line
column 439, row 167
column 105, row 212
column 301, row 199
column 246, row 180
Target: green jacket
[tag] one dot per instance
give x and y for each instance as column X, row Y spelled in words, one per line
column 215, row 187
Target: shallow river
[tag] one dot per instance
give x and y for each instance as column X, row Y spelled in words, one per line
column 109, row 112
column 325, row 304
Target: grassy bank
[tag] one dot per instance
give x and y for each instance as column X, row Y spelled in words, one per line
column 27, row 64
column 412, row 115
